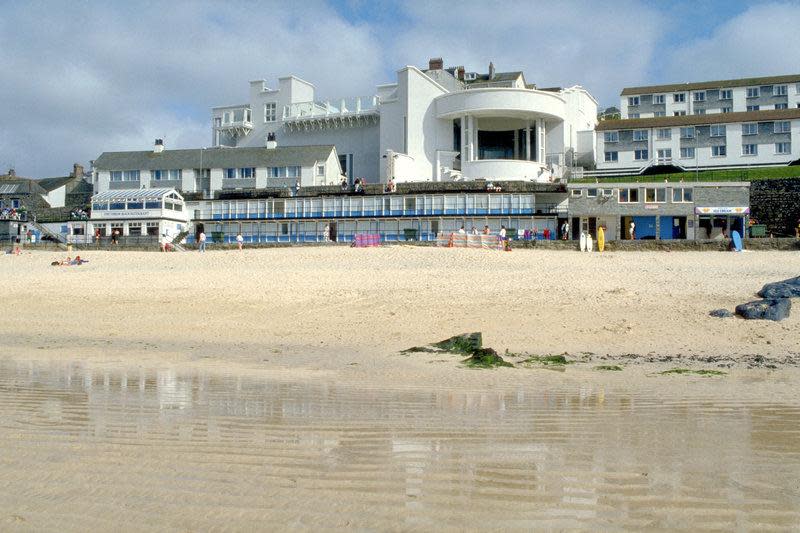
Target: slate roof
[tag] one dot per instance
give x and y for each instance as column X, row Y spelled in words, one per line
column 498, row 77
column 719, row 84
column 51, row 184
column 214, row 158
column 699, row 120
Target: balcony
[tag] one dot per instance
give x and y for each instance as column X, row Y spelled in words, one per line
column 501, row 102
column 505, row 169
column 343, row 112
column 235, row 122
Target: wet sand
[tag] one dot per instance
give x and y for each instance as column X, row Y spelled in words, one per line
column 266, row 390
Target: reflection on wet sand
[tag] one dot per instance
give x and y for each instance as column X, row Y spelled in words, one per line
column 85, row 448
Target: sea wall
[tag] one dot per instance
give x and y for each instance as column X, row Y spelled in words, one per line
column 776, row 203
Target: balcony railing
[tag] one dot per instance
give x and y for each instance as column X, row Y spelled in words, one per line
column 331, row 108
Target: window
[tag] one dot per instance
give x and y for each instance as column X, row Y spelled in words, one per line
column 750, row 129
column 247, row 173
column 782, row 126
column 293, row 172
column 175, row 174
column 681, row 195
column 611, row 136
column 699, row 111
column 753, row 108
column 719, row 151
column 679, row 113
column 135, row 204
column 687, row 153
column 718, row 130
column 152, row 204
column 659, row 99
column 217, row 122
column 780, row 90
column 591, row 193
column 726, row 94
column 633, row 100
column 655, row 196
column 157, row 175
column 659, row 113
column 782, row 106
column 639, row 135
column 679, row 97
column 726, row 109
column 628, row 196
column 607, row 192
column 130, row 175
column 270, row 112
column 116, row 175
column 664, row 153
column 640, row 155
column 783, row 148
column 611, row 157
column 749, row 149
column 283, row 172
column 320, row 170
column 664, row 134
column 633, row 115
column 699, row 96
column 229, row 173
column 687, row 132
column 576, row 193
column 753, row 92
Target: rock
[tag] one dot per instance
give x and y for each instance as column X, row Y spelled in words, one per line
column 788, row 288
column 721, row 313
column 773, row 309
column 464, row 343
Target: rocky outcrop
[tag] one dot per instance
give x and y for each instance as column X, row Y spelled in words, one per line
column 788, row 288
column 774, row 309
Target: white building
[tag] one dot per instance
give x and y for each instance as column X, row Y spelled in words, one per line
column 208, row 170
column 138, row 213
column 430, row 125
column 689, row 142
column 708, row 97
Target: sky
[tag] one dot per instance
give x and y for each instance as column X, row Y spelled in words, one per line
column 79, row 77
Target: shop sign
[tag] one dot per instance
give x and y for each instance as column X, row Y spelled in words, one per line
column 722, row 210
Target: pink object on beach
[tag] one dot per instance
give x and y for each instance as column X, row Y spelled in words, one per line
column 364, row 240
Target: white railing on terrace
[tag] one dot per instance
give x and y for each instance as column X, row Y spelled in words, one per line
column 334, row 107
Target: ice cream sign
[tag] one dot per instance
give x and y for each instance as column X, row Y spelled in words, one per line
column 722, row 210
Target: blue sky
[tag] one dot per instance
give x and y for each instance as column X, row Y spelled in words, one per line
column 83, row 77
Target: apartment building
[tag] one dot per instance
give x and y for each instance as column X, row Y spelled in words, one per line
column 709, row 97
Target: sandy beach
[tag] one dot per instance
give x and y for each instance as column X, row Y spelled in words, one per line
column 227, row 390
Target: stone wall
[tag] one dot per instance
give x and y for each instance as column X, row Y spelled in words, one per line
column 776, row 203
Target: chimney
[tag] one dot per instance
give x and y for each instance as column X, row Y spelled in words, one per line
column 159, row 147
column 435, row 63
column 491, row 70
column 12, row 173
column 77, row 170
column 460, row 75
column 271, row 142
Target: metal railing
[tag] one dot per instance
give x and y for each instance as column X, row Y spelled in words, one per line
column 333, row 107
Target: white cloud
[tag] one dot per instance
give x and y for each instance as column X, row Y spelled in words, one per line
column 762, row 41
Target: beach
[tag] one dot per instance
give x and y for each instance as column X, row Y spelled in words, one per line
column 229, row 390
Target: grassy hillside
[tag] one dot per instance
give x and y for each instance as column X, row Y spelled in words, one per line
column 753, row 174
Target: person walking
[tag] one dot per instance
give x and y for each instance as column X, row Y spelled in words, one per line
column 326, row 233
column 201, row 239
column 633, row 230
column 239, row 241
column 565, row 231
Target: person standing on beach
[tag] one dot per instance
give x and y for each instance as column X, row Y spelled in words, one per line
column 326, row 233
column 633, row 230
column 565, row 231
column 202, row 240
column 239, row 241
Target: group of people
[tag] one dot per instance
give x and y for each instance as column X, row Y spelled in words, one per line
column 10, row 213
column 70, row 261
column 78, row 214
column 391, row 186
column 359, row 185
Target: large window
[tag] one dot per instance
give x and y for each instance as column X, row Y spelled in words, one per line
column 633, row 100
column 780, row 90
column 782, row 126
column 116, row 175
column 611, row 136
column 679, row 113
column 247, row 172
column 718, row 130
column 664, row 153
column 754, row 108
column 655, row 196
column 782, row 106
column 639, row 135
column 641, row 155
column 159, row 175
column 270, row 112
column 629, row 196
column 679, row 98
column 719, row 151
column 726, row 109
column 750, row 129
column 753, row 92
column 229, row 173
column 283, row 172
column 699, row 96
column 687, row 153
column 749, row 149
column 726, row 94
column 687, row 132
column 783, row 148
column 658, row 99
column 664, row 134
column 681, row 195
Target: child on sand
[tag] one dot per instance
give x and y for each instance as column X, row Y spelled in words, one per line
column 239, row 241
